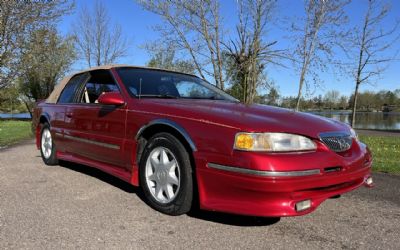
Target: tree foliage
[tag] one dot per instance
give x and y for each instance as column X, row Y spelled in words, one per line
column 165, row 58
column 367, row 101
column 45, row 59
column 17, row 20
column 9, row 99
column 271, row 98
column 332, row 98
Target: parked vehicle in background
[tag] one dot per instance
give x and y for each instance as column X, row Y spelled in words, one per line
column 179, row 138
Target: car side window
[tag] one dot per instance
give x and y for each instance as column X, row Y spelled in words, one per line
column 100, row 81
column 69, row 92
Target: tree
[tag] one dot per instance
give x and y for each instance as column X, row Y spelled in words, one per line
column 331, row 98
column 9, row 99
column 318, row 103
column 46, row 58
column 371, row 40
column 247, row 57
column 194, row 27
column 165, row 58
column 317, row 38
column 397, row 93
column 343, row 101
column 272, row 96
column 17, row 20
column 288, row 102
column 98, row 40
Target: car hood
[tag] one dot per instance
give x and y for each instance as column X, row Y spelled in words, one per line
column 248, row 118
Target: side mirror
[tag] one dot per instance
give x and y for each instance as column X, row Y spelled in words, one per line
column 111, row 98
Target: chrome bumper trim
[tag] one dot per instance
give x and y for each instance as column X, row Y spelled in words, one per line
column 265, row 173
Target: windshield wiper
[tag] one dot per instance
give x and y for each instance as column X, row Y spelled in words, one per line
column 165, row 96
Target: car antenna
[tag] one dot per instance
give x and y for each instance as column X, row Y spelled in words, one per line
column 140, row 88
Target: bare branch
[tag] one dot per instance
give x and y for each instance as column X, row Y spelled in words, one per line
column 370, row 50
column 196, row 27
column 98, row 40
column 317, row 38
column 248, row 55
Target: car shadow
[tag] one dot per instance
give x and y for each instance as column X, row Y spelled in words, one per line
column 98, row 174
column 216, row 217
column 233, row 219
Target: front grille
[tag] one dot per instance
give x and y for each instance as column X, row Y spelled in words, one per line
column 337, row 141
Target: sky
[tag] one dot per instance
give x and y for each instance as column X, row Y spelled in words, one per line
column 137, row 25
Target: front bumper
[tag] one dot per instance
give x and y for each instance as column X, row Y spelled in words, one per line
column 263, row 193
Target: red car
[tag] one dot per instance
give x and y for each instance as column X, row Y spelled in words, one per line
column 179, row 138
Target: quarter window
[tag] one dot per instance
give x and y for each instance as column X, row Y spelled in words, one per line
column 69, row 92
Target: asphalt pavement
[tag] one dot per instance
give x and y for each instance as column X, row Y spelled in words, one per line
column 74, row 206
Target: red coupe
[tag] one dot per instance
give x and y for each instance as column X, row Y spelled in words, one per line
column 180, row 138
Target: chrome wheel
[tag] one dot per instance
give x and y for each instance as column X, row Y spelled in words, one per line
column 162, row 174
column 46, row 143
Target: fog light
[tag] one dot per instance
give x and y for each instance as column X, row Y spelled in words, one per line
column 303, row 205
column 369, row 181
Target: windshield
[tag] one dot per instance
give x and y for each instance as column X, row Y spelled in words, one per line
column 148, row 83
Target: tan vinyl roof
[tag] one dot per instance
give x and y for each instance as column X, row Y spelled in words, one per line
column 53, row 97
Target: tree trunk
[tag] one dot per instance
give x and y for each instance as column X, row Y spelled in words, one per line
column 301, row 82
column 28, row 108
column 353, row 114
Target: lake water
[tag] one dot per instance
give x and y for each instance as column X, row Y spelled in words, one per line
column 17, row 116
column 365, row 120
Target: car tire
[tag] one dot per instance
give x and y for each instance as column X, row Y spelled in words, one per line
column 166, row 175
column 47, row 146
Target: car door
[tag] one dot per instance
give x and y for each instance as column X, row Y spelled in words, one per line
column 66, row 99
column 96, row 131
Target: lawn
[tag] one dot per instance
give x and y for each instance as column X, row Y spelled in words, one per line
column 386, row 152
column 12, row 132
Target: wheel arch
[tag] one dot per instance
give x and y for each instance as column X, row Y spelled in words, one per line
column 162, row 124
column 44, row 118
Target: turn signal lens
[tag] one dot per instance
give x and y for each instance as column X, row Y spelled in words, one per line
column 244, row 141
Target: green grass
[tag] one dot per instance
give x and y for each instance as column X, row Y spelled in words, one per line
column 12, row 132
column 385, row 152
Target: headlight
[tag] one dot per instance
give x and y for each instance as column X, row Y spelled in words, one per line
column 272, row 142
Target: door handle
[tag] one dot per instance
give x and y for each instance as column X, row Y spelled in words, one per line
column 69, row 115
